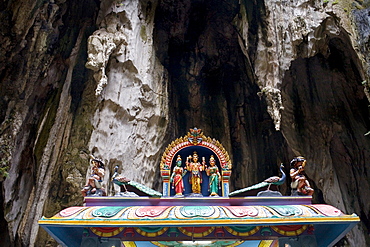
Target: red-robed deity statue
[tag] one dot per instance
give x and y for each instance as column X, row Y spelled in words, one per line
column 176, row 177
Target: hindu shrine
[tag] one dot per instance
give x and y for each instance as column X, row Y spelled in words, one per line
column 196, row 208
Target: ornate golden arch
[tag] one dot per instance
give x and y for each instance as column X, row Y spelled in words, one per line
column 195, row 137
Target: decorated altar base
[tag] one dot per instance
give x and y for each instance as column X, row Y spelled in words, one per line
column 196, row 209
column 214, row 222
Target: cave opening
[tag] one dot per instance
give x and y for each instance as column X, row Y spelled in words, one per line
column 326, row 106
column 212, row 85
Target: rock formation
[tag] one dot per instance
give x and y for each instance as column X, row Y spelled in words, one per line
column 120, row 79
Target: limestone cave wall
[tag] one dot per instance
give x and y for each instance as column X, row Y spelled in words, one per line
column 120, row 79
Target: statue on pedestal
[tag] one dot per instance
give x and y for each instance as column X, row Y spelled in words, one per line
column 176, row 178
column 300, row 185
column 214, row 177
column 93, row 185
column 195, row 168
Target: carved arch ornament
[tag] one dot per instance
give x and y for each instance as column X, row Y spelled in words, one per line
column 195, row 139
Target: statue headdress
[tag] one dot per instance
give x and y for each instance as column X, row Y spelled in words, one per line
column 298, row 159
column 100, row 161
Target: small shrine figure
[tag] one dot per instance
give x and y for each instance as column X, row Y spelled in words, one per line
column 176, row 177
column 195, row 168
column 300, row 184
column 94, row 182
column 214, row 177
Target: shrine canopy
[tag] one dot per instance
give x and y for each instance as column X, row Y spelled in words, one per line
column 196, row 209
column 243, row 222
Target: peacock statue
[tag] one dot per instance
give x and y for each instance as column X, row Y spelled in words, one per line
column 275, row 179
column 131, row 188
column 254, row 189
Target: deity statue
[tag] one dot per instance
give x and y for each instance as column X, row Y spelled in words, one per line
column 176, row 177
column 195, row 168
column 214, row 177
column 94, row 182
column 299, row 182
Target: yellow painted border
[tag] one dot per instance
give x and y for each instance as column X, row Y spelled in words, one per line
column 158, row 244
column 106, row 234
column 129, row 243
column 243, row 234
column 290, row 233
column 151, row 234
column 205, row 221
column 268, row 243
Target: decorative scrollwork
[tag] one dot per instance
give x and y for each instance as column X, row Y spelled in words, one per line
column 193, row 138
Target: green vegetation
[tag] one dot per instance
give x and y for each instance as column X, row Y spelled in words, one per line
column 6, row 145
column 4, row 161
column 4, row 166
column 119, row 3
column 143, row 33
column 3, row 170
column 51, row 112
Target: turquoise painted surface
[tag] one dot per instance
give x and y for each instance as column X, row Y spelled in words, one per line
column 106, row 212
column 194, row 211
